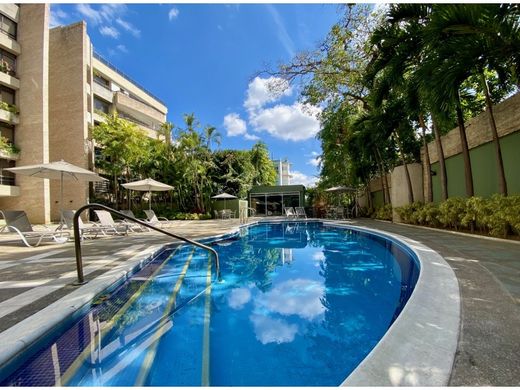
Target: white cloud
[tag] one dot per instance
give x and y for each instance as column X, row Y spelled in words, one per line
column 238, row 297
column 269, row 330
column 174, row 12
column 58, row 16
column 297, row 122
column 234, row 125
column 283, row 35
column 109, row 32
column 251, row 137
column 127, row 26
column 301, row 297
column 93, row 16
column 262, row 91
column 122, row 48
column 314, row 161
column 301, row 178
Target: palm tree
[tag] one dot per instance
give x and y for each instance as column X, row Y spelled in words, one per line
column 166, row 131
column 212, row 136
column 474, row 39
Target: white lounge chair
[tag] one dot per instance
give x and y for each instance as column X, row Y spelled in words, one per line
column 154, row 219
column 135, row 226
column 91, row 230
column 300, row 212
column 106, row 220
column 17, row 221
column 289, row 212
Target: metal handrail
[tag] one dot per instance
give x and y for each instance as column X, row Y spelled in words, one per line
column 97, row 206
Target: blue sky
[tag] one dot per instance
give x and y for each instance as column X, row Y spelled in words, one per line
column 202, row 58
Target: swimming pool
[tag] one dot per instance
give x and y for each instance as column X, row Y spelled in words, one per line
column 299, row 304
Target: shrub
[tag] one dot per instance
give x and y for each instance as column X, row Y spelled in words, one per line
column 428, row 214
column 452, row 211
column 384, row 212
column 408, row 213
column 497, row 221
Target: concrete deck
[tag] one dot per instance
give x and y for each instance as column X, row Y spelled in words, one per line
column 488, row 272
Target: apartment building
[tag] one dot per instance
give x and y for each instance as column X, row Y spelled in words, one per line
column 283, row 172
column 53, row 87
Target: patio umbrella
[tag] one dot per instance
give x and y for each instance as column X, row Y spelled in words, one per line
column 340, row 189
column 224, row 196
column 61, row 170
column 148, row 185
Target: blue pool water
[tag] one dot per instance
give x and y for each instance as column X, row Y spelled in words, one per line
column 299, row 304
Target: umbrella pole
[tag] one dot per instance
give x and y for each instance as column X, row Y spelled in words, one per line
column 61, row 201
column 150, row 200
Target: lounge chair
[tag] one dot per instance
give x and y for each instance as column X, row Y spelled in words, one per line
column 17, row 221
column 300, row 212
column 154, row 219
column 135, row 226
column 289, row 212
column 91, row 231
column 106, row 220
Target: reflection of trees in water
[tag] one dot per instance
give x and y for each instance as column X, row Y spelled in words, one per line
column 358, row 306
column 250, row 264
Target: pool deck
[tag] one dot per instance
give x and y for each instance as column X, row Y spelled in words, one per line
column 488, row 272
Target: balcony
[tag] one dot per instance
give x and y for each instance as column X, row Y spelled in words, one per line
column 138, row 109
column 9, row 44
column 7, row 115
column 102, row 92
column 8, row 190
column 9, row 155
column 8, row 79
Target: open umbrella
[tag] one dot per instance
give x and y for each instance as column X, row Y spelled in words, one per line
column 340, row 189
column 61, row 170
column 224, row 196
column 148, row 185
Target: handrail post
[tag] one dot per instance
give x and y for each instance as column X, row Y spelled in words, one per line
column 77, row 238
column 77, row 247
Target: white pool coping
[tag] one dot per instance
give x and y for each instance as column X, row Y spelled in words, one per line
column 417, row 350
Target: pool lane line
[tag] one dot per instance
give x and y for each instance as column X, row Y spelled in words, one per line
column 76, row 364
column 206, row 334
column 152, row 351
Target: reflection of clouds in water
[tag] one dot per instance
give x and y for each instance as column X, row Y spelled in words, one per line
column 269, row 330
column 238, row 297
column 296, row 296
column 318, row 256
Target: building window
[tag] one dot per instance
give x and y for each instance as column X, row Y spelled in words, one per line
column 100, row 105
column 7, row 132
column 101, row 80
column 7, row 63
column 7, row 95
column 7, row 26
column 6, row 177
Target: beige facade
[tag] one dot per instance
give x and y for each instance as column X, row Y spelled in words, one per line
column 59, row 85
column 30, row 44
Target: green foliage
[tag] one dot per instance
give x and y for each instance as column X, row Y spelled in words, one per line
column 9, row 107
column 384, row 212
column 452, row 211
column 264, row 170
column 496, row 215
column 187, row 163
column 8, row 147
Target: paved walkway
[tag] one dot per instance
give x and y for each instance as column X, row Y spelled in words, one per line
column 488, row 273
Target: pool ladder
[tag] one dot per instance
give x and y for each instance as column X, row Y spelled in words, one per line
column 97, row 206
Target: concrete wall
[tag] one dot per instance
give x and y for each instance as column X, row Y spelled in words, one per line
column 69, row 60
column 482, row 155
column 399, row 189
column 32, row 133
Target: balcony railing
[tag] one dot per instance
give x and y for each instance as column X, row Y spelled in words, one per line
column 113, row 67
